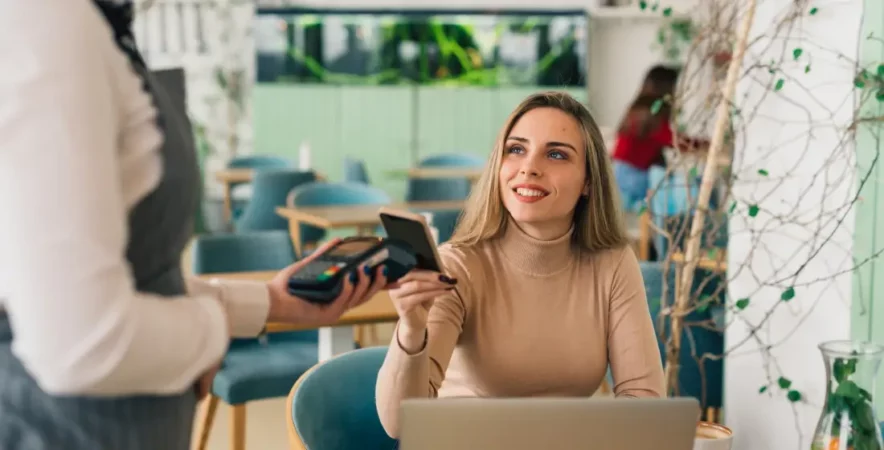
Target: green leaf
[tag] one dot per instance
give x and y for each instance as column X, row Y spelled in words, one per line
column 865, row 417
column 788, row 294
column 762, row 389
column 667, row 12
column 732, row 207
column 753, row 210
column 779, row 84
column 880, row 70
column 784, row 383
column 763, row 172
column 880, row 95
column 742, row 303
column 642, row 5
column 849, row 390
column 712, row 253
column 692, row 172
column 814, row 10
column 859, row 83
column 842, row 369
column 643, row 208
column 807, row 68
column 797, row 53
column 655, row 107
column 794, row 396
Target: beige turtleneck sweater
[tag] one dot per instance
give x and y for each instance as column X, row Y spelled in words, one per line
column 535, row 318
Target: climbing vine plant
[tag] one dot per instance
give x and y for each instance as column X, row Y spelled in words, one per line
column 781, row 105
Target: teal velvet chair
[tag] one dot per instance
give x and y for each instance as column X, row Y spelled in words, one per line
column 332, row 407
column 270, row 188
column 354, row 171
column 257, row 162
column 672, row 211
column 251, row 370
column 442, row 189
column 331, row 194
column 695, row 340
column 445, row 220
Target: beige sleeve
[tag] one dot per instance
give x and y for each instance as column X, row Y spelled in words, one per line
column 632, row 344
column 247, row 302
column 404, row 376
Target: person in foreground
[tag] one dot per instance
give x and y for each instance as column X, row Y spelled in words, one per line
column 103, row 343
column 540, row 291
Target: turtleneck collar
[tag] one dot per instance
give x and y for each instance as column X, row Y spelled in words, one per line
column 534, row 256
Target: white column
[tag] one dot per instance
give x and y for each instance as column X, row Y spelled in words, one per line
column 334, row 341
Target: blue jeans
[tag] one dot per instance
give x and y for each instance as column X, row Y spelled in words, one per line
column 632, row 183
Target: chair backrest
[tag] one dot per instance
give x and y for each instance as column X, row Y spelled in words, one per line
column 442, row 189
column 452, row 160
column 330, row 194
column 672, row 211
column 446, row 221
column 260, row 162
column 695, row 340
column 270, row 187
column 354, row 171
column 242, row 252
column 332, row 407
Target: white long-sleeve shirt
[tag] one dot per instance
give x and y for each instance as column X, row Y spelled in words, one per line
column 79, row 148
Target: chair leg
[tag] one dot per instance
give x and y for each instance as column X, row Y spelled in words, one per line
column 360, row 335
column 238, row 427
column 713, row 414
column 373, row 332
column 205, row 416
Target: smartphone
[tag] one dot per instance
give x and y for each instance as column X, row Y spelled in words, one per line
column 412, row 229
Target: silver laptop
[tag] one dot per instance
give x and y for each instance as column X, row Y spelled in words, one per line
column 548, row 424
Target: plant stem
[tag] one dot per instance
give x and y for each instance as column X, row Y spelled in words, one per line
column 692, row 246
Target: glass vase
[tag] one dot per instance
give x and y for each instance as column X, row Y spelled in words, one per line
column 848, row 420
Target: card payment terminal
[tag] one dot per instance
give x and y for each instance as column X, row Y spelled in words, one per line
column 323, row 279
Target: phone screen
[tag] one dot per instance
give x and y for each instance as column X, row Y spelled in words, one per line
column 414, row 234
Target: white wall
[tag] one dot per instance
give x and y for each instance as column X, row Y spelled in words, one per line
column 820, row 179
column 203, row 36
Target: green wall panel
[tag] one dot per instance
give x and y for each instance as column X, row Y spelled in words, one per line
column 286, row 116
column 458, row 120
column 867, row 315
column 375, row 126
column 389, row 127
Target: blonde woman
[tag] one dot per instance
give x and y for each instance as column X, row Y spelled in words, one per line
column 541, row 291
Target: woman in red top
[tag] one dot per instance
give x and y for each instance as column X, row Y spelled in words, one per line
column 643, row 134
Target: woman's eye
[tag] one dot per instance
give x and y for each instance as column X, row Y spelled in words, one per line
column 555, row 154
column 515, row 149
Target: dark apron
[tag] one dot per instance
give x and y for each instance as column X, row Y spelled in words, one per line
column 159, row 229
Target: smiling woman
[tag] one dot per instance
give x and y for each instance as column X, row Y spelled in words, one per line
column 539, row 291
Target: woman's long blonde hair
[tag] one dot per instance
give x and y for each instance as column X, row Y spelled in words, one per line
column 598, row 221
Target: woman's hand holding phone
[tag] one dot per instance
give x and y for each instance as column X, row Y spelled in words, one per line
column 413, row 296
column 287, row 308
